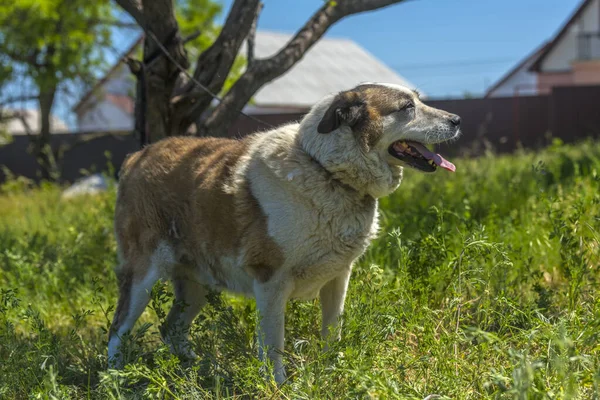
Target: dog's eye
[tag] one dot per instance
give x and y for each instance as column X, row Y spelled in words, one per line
column 408, row 106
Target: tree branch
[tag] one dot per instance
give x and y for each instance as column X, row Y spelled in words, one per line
column 134, row 8
column 252, row 38
column 192, row 36
column 17, row 99
column 115, row 23
column 134, row 65
column 265, row 70
column 214, row 64
column 21, row 116
column 171, row 111
column 30, row 58
column 314, row 29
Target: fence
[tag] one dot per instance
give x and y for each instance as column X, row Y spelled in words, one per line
column 569, row 113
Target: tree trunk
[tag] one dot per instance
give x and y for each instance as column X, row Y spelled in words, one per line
column 228, row 111
column 168, row 113
column 160, row 73
column 42, row 150
column 263, row 71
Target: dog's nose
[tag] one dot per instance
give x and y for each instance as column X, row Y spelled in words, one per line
column 455, row 120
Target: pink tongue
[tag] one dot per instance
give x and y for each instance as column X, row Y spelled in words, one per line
column 437, row 159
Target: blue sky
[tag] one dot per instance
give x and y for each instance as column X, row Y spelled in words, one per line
column 445, row 47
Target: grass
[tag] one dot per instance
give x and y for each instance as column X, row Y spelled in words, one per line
column 482, row 284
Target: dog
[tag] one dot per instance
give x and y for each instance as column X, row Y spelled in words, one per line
column 276, row 215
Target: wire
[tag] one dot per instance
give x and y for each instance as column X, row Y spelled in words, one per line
column 458, row 63
column 200, row 85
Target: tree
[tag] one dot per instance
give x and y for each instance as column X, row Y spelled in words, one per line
column 5, row 72
column 195, row 21
column 171, row 103
column 55, row 44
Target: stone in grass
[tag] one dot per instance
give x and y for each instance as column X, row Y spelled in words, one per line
column 89, row 185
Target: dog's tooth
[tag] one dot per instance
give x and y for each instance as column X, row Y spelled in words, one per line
column 400, row 146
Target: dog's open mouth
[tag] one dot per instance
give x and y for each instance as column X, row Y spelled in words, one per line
column 418, row 156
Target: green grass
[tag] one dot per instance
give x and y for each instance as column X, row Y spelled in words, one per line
column 482, row 284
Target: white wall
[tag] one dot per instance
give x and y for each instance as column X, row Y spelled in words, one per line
column 565, row 51
column 15, row 126
column 591, row 17
column 121, row 82
column 523, row 80
column 104, row 116
column 100, row 114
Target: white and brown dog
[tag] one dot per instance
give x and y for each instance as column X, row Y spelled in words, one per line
column 277, row 215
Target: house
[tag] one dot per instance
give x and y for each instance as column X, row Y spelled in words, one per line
column 28, row 121
column 570, row 58
column 520, row 80
column 573, row 55
column 109, row 105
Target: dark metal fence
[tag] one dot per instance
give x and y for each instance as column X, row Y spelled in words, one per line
column 502, row 124
column 570, row 113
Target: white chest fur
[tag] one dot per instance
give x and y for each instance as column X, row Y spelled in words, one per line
column 321, row 229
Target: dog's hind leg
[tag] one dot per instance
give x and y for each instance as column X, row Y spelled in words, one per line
column 332, row 296
column 271, row 299
column 190, row 297
column 136, row 282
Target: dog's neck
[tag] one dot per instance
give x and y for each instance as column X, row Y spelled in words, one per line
column 335, row 178
column 347, row 164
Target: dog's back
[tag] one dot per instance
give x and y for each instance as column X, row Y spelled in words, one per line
column 159, row 186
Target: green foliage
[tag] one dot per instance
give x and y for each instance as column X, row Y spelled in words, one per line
column 5, row 73
column 54, row 40
column 198, row 15
column 5, row 137
column 195, row 16
column 482, row 284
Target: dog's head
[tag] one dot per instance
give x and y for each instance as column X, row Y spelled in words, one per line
column 380, row 127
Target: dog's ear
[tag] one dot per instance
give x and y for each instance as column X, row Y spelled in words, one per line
column 347, row 108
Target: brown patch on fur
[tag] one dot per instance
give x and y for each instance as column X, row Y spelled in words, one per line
column 369, row 132
column 362, row 109
column 348, row 107
column 383, row 99
column 179, row 185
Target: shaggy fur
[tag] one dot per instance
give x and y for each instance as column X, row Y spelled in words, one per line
column 277, row 215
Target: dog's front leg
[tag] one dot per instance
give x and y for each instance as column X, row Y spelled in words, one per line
column 333, row 295
column 271, row 298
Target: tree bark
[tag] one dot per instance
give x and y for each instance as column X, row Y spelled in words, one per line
column 214, row 64
column 42, row 150
column 160, row 75
column 139, row 111
column 265, row 70
column 168, row 113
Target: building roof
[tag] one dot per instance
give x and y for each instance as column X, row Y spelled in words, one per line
column 537, row 65
column 522, row 64
column 128, row 52
column 331, row 65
